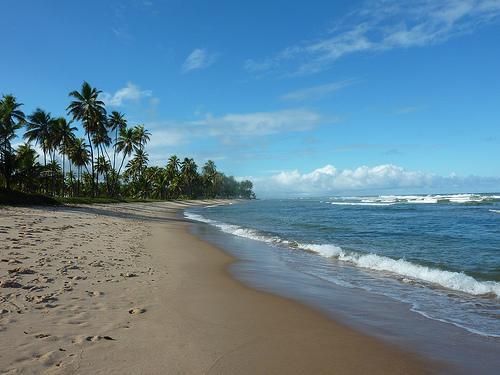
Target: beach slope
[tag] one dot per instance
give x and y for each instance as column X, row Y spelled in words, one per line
column 126, row 289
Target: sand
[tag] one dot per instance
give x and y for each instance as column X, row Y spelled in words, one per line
column 126, row 289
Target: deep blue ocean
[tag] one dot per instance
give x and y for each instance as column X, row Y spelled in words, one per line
column 437, row 254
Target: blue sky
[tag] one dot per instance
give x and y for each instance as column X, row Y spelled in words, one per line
column 303, row 97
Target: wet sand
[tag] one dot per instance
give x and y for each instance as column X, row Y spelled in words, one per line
column 126, row 289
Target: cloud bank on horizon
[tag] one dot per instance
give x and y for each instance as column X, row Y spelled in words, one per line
column 364, row 179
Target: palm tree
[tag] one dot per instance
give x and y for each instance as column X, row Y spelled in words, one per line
column 39, row 124
column 173, row 164
column 136, row 165
column 189, row 171
column 245, row 189
column 87, row 107
column 27, row 168
column 158, row 180
column 26, row 154
column 11, row 119
column 80, row 157
column 172, row 173
column 71, row 181
column 56, row 138
column 116, row 122
column 209, row 172
column 127, row 143
column 102, row 140
column 54, row 142
column 55, row 171
column 102, row 167
column 142, row 136
column 135, row 169
column 67, row 138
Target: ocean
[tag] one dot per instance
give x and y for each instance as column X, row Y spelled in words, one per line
column 433, row 258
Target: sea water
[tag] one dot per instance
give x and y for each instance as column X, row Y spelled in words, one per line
column 436, row 255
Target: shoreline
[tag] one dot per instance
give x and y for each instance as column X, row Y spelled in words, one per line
column 275, row 269
column 182, row 312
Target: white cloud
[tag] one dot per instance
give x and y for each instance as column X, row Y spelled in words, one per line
column 259, row 123
column 382, row 25
column 198, row 59
column 317, row 92
column 230, row 131
column 130, row 92
column 235, row 125
column 330, row 180
column 167, row 138
column 260, row 66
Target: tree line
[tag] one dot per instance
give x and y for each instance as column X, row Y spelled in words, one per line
column 110, row 160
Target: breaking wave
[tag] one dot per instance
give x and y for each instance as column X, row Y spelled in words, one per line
column 384, row 200
column 400, row 268
column 451, row 280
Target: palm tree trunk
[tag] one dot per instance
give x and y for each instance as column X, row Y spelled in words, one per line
column 3, row 153
column 106, row 172
column 45, row 170
column 115, row 177
column 92, row 163
column 63, row 170
column 71, row 176
column 53, row 157
column 97, row 169
column 114, row 148
column 7, row 174
column 119, row 170
column 2, row 158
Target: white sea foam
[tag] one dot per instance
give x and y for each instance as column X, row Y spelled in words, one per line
column 415, row 199
column 232, row 229
column 495, row 211
column 361, row 203
column 196, row 217
column 450, row 280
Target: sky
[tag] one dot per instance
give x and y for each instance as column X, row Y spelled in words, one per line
column 302, row 97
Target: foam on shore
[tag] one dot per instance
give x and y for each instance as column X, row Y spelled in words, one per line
column 416, row 199
column 456, row 281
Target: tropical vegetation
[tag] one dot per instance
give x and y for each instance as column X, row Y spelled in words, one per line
column 93, row 153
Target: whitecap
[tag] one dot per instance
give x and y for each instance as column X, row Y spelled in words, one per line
column 451, row 280
column 361, row 203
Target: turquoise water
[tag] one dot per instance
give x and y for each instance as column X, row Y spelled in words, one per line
column 438, row 254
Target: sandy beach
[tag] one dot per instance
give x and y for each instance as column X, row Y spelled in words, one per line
column 126, row 289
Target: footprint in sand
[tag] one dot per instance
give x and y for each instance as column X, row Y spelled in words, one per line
column 82, row 339
column 128, row 274
column 42, row 335
column 137, row 310
column 50, row 358
column 11, row 261
column 9, row 283
column 98, row 338
column 94, row 293
column 21, row 271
